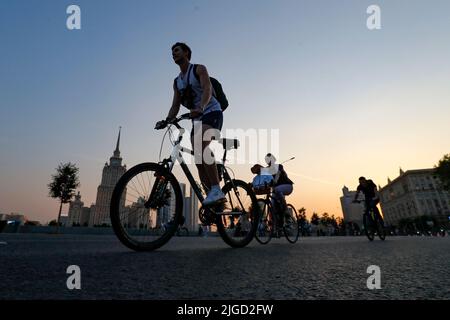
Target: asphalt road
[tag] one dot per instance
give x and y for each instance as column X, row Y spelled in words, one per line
column 34, row 267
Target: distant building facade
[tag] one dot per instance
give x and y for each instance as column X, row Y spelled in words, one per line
column 111, row 174
column 14, row 216
column 78, row 214
column 412, row 194
column 352, row 212
column 64, row 220
column 190, row 211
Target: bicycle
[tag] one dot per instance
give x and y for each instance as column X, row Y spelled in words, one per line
column 150, row 192
column 268, row 224
column 373, row 224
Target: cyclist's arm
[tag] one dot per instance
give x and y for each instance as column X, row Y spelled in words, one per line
column 205, row 84
column 176, row 103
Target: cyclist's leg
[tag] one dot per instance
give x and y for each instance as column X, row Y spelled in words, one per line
column 367, row 207
column 280, row 192
column 207, row 171
column 367, row 210
column 209, row 162
column 280, row 201
column 203, row 133
column 376, row 211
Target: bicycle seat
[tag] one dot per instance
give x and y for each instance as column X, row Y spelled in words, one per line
column 229, row 144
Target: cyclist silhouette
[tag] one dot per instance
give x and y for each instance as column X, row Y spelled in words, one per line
column 192, row 88
column 369, row 189
column 282, row 185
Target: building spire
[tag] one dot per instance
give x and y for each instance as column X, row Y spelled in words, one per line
column 117, row 151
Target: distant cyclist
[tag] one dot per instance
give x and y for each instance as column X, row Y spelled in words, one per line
column 192, row 88
column 372, row 197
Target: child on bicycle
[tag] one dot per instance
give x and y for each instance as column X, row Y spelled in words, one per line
column 282, row 185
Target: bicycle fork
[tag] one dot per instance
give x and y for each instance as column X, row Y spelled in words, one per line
column 157, row 192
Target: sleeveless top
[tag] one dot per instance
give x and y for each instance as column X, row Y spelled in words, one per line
column 282, row 178
column 182, row 82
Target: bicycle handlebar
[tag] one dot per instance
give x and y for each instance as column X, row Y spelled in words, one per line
column 184, row 116
column 163, row 123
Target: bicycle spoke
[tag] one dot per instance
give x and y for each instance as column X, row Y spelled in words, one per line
column 236, row 225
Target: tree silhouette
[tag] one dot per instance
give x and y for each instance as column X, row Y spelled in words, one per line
column 325, row 219
column 315, row 219
column 442, row 171
column 63, row 185
column 302, row 215
column 333, row 221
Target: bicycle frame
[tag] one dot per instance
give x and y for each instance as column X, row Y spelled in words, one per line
column 177, row 155
column 269, row 201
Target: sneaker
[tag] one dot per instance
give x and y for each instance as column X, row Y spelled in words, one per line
column 214, row 197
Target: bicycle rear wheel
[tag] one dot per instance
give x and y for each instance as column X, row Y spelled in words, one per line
column 266, row 222
column 237, row 219
column 368, row 227
column 146, row 207
column 291, row 226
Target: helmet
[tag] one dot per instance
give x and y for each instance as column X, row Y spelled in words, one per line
column 270, row 159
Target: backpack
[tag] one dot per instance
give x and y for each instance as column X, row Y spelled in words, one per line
column 218, row 92
column 261, row 183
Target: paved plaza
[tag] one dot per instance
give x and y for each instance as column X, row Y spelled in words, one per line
column 34, row 267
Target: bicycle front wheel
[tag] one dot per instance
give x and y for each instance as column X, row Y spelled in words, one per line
column 266, row 223
column 146, row 207
column 238, row 220
column 291, row 226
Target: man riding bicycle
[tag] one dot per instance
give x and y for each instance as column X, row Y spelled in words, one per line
column 369, row 189
column 192, row 88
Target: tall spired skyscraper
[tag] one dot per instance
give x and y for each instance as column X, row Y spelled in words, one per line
column 111, row 174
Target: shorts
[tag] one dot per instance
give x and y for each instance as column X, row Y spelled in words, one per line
column 213, row 119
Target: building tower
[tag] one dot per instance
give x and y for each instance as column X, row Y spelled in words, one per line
column 111, row 174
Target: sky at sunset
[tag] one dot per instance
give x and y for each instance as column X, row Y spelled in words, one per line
column 347, row 101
